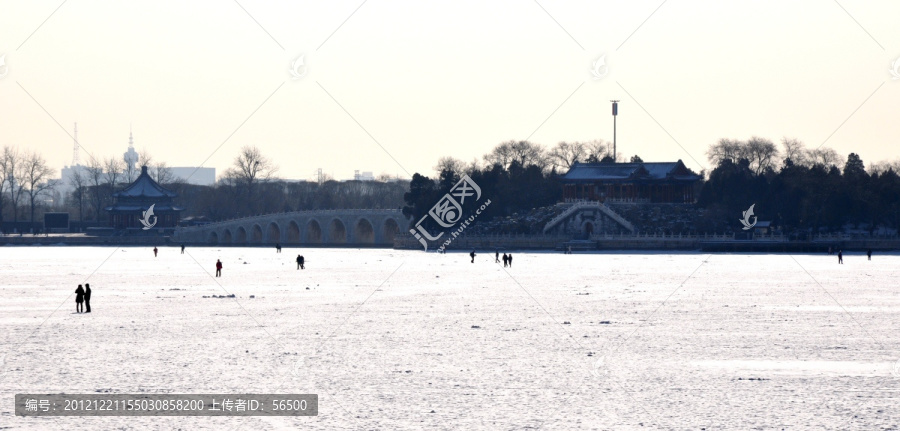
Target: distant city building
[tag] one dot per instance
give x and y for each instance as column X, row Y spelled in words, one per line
column 65, row 178
column 365, row 176
column 194, row 175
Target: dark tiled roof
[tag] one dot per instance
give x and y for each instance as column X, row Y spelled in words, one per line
column 145, row 187
column 630, row 171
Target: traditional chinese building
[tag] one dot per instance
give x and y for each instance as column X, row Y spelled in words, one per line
column 128, row 211
column 666, row 182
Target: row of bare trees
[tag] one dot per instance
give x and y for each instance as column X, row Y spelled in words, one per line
column 250, row 186
column 558, row 158
column 764, row 155
column 23, row 174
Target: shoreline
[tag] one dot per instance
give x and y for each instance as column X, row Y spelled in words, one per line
column 629, row 245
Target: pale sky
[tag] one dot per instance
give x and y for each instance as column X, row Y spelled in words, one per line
column 391, row 86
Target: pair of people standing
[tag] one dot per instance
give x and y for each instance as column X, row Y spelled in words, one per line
column 507, row 260
column 83, row 299
column 300, row 262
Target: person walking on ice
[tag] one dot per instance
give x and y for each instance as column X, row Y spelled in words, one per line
column 472, row 255
column 841, row 257
column 182, row 248
column 505, row 260
column 155, row 250
column 79, row 299
column 218, row 268
column 87, row 297
column 300, row 261
column 497, row 256
column 510, row 260
column 869, row 254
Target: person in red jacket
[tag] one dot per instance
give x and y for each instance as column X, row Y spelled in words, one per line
column 218, row 268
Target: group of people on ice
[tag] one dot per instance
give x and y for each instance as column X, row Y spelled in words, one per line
column 507, row 258
column 83, row 299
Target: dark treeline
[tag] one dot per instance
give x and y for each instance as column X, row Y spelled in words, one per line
column 811, row 191
column 799, row 189
column 517, row 176
column 511, row 190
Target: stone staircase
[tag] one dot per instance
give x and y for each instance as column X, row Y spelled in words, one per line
column 588, row 205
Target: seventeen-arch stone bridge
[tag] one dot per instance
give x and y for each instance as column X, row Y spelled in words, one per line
column 322, row 227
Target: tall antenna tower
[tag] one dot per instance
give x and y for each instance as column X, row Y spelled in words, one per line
column 615, row 109
column 75, row 161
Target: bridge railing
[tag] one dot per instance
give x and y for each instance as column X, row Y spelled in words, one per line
column 289, row 213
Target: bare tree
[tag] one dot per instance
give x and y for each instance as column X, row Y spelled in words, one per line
column 114, row 168
column 826, row 157
column 16, row 166
column 162, row 173
column 36, row 179
column 250, row 168
column 7, row 176
column 725, row 149
column 565, row 154
column 795, row 151
column 129, row 172
column 884, row 166
column 144, row 158
column 94, row 171
column 524, row 152
column 599, row 149
column 761, row 153
column 500, row 155
column 78, row 181
column 456, row 166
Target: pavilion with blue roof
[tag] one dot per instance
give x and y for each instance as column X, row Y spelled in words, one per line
column 662, row 182
column 130, row 204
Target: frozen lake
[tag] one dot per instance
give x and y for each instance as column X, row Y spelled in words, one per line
column 407, row 340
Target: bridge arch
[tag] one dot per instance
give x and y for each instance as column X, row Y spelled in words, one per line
column 213, row 238
column 390, row 229
column 241, row 235
column 363, row 232
column 256, row 233
column 313, row 232
column 227, row 237
column 293, row 232
column 337, row 232
column 273, row 233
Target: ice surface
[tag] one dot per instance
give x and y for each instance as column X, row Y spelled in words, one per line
column 408, row 340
